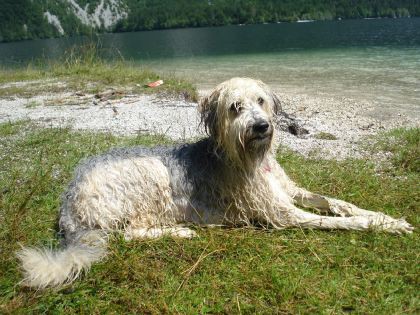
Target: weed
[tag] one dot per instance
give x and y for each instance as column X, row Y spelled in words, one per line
column 9, row 128
column 32, row 104
column 325, row 136
column 404, row 146
column 84, row 66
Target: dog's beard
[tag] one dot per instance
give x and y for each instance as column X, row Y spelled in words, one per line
column 244, row 147
column 258, row 145
column 252, row 148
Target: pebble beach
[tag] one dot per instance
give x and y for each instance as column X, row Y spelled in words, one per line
column 335, row 126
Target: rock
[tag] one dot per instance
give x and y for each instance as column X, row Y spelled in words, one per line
column 289, row 124
column 366, row 126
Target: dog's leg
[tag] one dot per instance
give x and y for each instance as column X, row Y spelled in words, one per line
column 350, row 216
column 324, row 204
column 175, row 231
column 307, row 199
column 342, row 208
column 300, row 218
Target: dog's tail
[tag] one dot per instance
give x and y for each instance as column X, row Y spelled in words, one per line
column 48, row 268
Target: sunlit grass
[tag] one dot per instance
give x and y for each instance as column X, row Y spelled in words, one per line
column 404, row 145
column 229, row 271
column 325, row 136
column 83, row 69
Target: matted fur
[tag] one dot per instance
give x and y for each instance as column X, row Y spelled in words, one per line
column 230, row 178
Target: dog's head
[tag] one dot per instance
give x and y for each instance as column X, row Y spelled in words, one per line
column 238, row 116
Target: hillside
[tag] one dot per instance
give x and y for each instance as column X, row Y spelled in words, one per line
column 27, row 19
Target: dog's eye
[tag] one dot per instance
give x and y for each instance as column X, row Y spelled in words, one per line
column 260, row 101
column 236, row 107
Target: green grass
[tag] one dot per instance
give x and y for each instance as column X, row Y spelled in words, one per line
column 404, row 144
column 9, row 128
column 325, row 136
column 83, row 69
column 231, row 271
column 32, row 104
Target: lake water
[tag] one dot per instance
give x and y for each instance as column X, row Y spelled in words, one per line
column 368, row 60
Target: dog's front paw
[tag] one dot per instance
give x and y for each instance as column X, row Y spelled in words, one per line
column 394, row 226
column 401, row 226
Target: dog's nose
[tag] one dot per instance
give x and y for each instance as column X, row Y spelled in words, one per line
column 261, row 126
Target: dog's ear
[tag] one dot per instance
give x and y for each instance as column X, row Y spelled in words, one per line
column 276, row 100
column 277, row 103
column 208, row 110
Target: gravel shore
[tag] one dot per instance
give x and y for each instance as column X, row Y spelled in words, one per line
column 335, row 126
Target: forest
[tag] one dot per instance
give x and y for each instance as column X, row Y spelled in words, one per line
column 25, row 19
column 162, row 14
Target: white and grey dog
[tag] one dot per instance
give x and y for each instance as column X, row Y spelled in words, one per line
column 230, row 178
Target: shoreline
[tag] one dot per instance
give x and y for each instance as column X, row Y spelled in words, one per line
column 293, row 21
column 336, row 127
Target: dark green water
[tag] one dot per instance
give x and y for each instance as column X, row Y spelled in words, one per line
column 367, row 60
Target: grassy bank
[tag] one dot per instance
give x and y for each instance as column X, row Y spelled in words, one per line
column 225, row 270
column 82, row 69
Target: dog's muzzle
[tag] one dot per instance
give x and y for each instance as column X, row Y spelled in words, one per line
column 261, row 127
column 261, row 130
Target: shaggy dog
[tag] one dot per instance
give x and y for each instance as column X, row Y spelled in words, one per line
column 230, row 178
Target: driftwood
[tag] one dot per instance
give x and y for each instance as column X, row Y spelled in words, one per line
column 109, row 95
